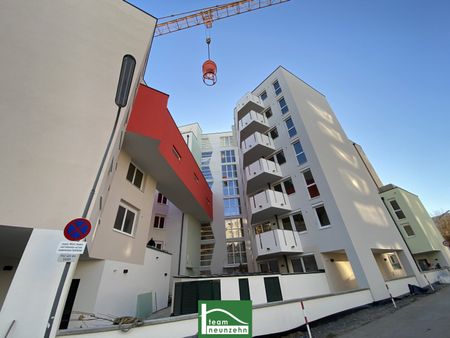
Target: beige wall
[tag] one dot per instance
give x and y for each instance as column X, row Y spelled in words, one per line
column 60, row 63
column 108, row 243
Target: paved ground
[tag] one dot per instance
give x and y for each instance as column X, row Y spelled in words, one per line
column 417, row 316
column 429, row 316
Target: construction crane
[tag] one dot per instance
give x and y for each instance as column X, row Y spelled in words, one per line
column 206, row 16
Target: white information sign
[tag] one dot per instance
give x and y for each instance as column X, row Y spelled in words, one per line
column 67, row 258
column 69, row 247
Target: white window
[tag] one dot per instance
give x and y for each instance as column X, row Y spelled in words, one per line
column 161, row 199
column 322, row 216
column 159, row 222
column 236, row 253
column 135, row 176
column 125, row 219
column 226, row 141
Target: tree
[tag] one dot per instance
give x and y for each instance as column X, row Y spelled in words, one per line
column 442, row 222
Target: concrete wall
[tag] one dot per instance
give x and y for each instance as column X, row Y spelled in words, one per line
column 358, row 218
column 127, row 248
column 106, row 290
column 60, row 68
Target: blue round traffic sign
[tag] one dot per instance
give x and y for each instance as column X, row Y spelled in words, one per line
column 77, row 229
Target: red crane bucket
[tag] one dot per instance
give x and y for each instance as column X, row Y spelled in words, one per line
column 209, row 73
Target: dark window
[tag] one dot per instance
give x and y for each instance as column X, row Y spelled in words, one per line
column 159, row 222
column 263, row 95
column 283, row 105
column 187, row 295
column 286, row 223
column 135, row 176
column 273, row 289
column 268, row 113
column 269, row 266
column 244, row 290
column 322, row 215
column 124, row 220
column 299, row 222
column 277, row 88
column 408, row 229
column 289, row 186
column 274, row 133
column 280, row 157
column 290, row 127
column 277, row 187
column 310, row 263
column 311, row 184
column 297, row 265
column 398, row 211
column 299, row 153
column 162, row 199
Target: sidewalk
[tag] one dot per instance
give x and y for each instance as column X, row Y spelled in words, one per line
column 427, row 317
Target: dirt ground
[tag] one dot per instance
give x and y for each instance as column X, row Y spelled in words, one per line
column 348, row 324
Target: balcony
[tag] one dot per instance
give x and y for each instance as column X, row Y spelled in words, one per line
column 251, row 123
column 247, row 103
column 267, row 204
column 277, row 242
column 255, row 147
column 261, row 173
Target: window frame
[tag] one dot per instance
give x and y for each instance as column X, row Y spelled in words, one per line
column 161, row 199
column 132, row 180
column 282, row 184
column 274, row 129
column 289, row 129
column 397, row 211
column 158, row 225
column 128, row 208
column 277, row 88
column 310, row 185
column 263, row 95
column 318, row 218
column 410, row 227
column 284, row 108
column 300, row 153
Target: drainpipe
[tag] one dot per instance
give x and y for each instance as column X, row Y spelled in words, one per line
column 181, row 243
column 407, row 246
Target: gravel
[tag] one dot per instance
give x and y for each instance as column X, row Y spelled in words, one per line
column 336, row 325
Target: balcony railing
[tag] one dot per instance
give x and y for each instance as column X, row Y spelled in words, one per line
column 260, row 173
column 278, row 242
column 251, row 123
column 267, row 204
column 246, row 103
column 256, row 146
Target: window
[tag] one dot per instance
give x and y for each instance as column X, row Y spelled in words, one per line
column 290, row 127
column 231, row 206
column 394, row 262
column 236, row 253
column 268, row 113
column 206, row 170
column 283, row 105
column 273, row 289
column 304, row 264
column 263, row 95
column 135, row 176
column 226, row 141
column 286, row 186
column 176, row 153
column 206, row 253
column 273, row 133
column 286, row 223
column 233, row 228
column 269, row 266
column 299, row 153
column 159, row 245
column 311, row 184
column 276, row 87
column 230, row 188
column 228, row 156
column 264, row 227
column 125, row 219
column 206, row 232
column 161, row 199
column 398, row 212
column 159, row 222
column 278, row 158
column 229, row 171
column 408, row 229
column 322, row 216
column 244, row 290
column 299, row 222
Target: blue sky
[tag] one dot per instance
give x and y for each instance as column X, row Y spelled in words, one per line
column 383, row 65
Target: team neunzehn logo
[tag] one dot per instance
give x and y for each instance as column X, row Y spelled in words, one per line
column 220, row 318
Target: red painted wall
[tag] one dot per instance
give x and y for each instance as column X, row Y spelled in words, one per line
column 150, row 117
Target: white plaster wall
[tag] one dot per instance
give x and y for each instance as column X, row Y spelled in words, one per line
column 60, row 64
column 34, row 286
column 304, row 285
column 118, row 291
column 399, row 287
column 229, row 288
column 127, row 248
